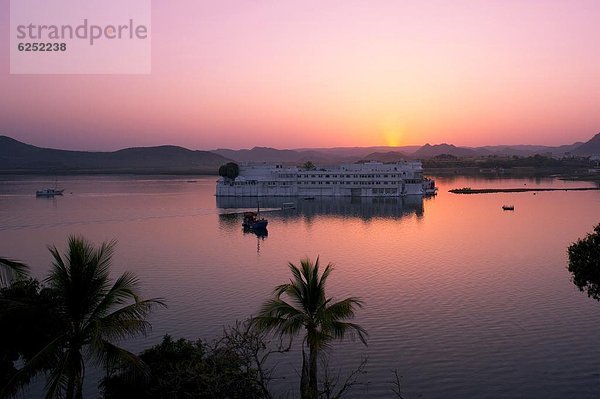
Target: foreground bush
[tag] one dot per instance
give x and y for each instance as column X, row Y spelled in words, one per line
column 584, row 263
column 229, row 367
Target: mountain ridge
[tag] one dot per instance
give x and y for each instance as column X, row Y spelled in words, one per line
column 590, row 147
column 16, row 156
column 353, row 154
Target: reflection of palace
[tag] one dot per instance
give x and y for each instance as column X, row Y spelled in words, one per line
column 363, row 207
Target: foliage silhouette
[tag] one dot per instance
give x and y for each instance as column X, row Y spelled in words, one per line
column 584, row 263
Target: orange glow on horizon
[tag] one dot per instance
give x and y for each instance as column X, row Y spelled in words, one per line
column 280, row 74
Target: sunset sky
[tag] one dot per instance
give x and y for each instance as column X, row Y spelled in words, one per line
column 290, row 74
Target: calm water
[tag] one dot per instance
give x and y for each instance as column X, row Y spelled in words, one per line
column 463, row 299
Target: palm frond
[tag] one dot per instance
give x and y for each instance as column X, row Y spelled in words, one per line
column 281, row 289
column 296, row 272
column 58, row 379
column 343, row 309
column 103, row 255
column 298, row 295
column 124, row 322
column 339, row 329
column 328, row 269
column 47, row 356
column 277, row 315
column 279, row 308
column 107, row 353
column 70, row 370
column 59, row 274
column 11, row 270
column 125, row 288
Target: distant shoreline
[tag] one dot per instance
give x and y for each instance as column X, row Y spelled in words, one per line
column 560, row 173
column 30, row 172
column 516, row 190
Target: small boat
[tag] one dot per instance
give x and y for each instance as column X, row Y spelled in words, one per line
column 508, row 207
column 253, row 221
column 48, row 192
column 288, row 205
column 429, row 187
column 308, row 198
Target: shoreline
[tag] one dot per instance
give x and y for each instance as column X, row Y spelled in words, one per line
column 133, row 172
column 516, row 190
column 572, row 175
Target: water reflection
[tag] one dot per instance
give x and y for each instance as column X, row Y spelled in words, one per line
column 360, row 207
column 468, row 302
column 260, row 233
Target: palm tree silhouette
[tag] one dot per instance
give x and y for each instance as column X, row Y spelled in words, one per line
column 309, row 309
column 95, row 315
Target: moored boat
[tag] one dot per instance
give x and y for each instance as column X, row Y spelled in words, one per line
column 253, row 221
column 48, row 192
column 429, row 187
column 288, row 206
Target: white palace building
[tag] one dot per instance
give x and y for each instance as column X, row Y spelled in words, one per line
column 369, row 179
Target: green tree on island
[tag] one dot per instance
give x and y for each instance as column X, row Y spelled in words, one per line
column 230, row 170
column 308, row 165
column 308, row 308
column 94, row 313
column 584, row 263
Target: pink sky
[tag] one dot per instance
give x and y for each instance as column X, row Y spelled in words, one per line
column 329, row 73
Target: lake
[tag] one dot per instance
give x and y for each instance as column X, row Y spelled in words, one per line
column 463, row 299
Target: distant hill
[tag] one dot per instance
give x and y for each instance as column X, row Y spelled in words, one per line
column 591, row 147
column 360, row 152
column 564, row 149
column 528, row 150
column 390, row 156
column 267, row 154
column 430, row 151
column 321, row 156
column 514, row 150
column 263, row 154
column 16, row 156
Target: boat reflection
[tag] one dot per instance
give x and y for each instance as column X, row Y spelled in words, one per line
column 360, row 207
column 260, row 233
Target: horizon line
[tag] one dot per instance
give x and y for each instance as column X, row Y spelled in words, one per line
column 300, row 148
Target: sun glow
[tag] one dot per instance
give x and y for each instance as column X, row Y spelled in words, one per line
column 393, row 131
